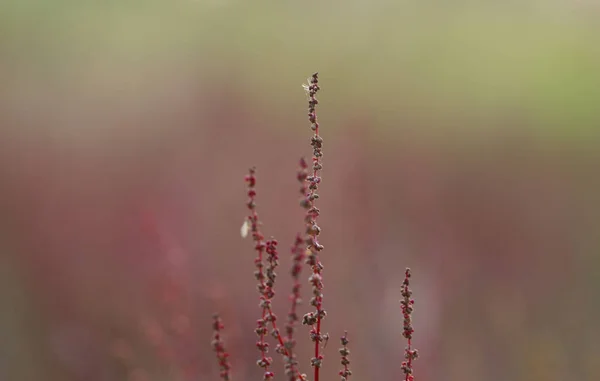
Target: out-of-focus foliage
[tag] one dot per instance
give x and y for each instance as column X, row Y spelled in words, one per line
column 435, row 59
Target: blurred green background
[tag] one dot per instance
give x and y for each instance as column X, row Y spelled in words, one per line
column 461, row 139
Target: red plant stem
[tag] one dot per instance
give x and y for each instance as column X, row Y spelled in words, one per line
column 316, row 269
column 260, row 246
column 313, row 230
column 265, row 287
column 409, row 361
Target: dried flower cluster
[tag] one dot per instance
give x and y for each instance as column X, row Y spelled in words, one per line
column 407, row 308
column 266, row 281
column 219, row 348
column 306, row 248
column 345, row 352
column 291, row 363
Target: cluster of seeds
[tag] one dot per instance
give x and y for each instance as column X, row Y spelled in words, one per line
column 345, row 352
column 219, row 348
column 406, row 304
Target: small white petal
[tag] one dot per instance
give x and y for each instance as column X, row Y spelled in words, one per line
column 245, row 228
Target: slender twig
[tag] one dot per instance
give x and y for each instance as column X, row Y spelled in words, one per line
column 345, row 352
column 219, row 348
column 264, row 290
column 266, row 283
column 314, row 319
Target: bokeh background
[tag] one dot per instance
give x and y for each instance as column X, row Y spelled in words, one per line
column 461, row 139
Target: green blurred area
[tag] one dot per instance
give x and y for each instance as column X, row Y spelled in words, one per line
column 441, row 62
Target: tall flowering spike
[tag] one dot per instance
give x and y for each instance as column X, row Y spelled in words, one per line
column 406, row 304
column 266, row 282
column 345, row 352
column 313, row 247
column 219, row 348
column 263, row 288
